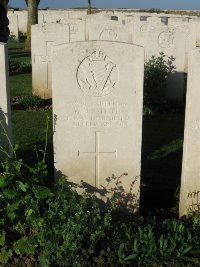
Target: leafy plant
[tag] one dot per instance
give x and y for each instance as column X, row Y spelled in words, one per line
column 156, row 72
column 157, row 243
column 30, row 101
column 19, row 66
column 22, row 200
column 22, row 36
column 74, row 227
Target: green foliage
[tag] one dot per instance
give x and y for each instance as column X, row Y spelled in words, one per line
column 22, row 200
column 12, row 38
column 75, row 226
column 30, row 101
column 156, row 72
column 167, row 243
column 59, row 227
column 19, row 66
column 22, row 36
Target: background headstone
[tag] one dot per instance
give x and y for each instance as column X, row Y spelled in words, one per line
column 108, row 31
column 190, row 180
column 5, row 116
column 97, row 109
column 14, row 26
column 44, row 37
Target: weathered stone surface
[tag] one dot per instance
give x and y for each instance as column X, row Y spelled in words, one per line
column 190, row 181
column 77, row 29
column 108, row 31
column 14, row 26
column 44, row 37
column 97, row 109
column 5, row 119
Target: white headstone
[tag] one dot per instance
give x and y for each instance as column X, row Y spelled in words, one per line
column 22, row 20
column 51, row 16
column 77, row 29
column 190, row 180
column 172, row 43
column 14, row 26
column 44, row 37
column 108, row 31
column 97, row 109
column 196, row 22
column 5, row 116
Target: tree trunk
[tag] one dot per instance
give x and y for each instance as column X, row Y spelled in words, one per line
column 89, row 7
column 32, row 19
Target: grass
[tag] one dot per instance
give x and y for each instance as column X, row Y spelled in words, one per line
column 21, row 84
column 13, row 45
column 20, row 56
column 161, row 145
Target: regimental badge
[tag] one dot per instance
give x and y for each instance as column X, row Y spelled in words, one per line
column 166, row 39
column 97, row 75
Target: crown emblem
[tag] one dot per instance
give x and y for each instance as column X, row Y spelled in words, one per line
column 97, row 55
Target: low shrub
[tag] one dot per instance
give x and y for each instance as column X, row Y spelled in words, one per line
column 19, row 66
column 156, row 71
column 30, row 101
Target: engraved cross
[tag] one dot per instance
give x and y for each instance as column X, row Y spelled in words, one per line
column 97, row 153
column 47, row 61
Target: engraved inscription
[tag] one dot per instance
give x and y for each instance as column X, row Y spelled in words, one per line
column 108, row 34
column 97, row 153
column 98, row 114
column 166, row 39
column 97, row 75
column 195, row 125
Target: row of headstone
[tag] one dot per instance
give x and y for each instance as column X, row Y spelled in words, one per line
column 155, row 38
column 50, row 16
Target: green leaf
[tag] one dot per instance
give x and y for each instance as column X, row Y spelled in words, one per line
column 9, row 193
column 2, row 238
column 44, row 260
column 186, row 250
column 2, row 182
column 25, row 246
column 5, row 255
column 131, row 257
column 42, row 193
column 22, row 186
column 11, row 210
